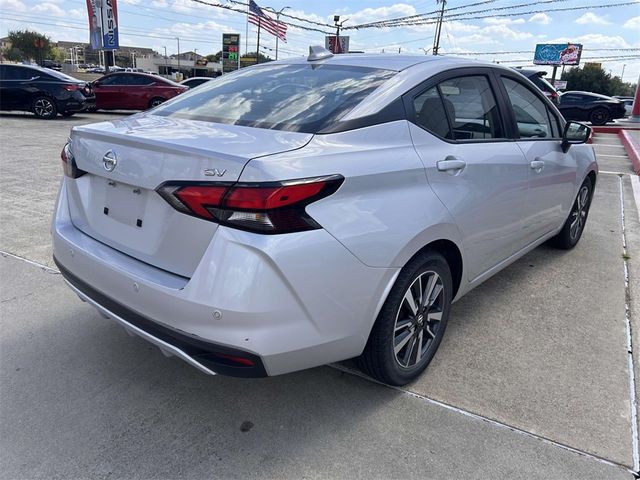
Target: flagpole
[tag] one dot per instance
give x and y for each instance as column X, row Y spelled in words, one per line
column 258, row 44
column 246, row 36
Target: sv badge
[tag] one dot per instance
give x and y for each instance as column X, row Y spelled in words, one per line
column 214, row 172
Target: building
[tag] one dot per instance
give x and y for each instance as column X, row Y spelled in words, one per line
column 189, row 64
column 81, row 53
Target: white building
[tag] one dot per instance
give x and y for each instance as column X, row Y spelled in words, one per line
column 188, row 66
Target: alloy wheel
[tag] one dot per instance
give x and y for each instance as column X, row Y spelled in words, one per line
column 418, row 319
column 43, row 107
column 579, row 212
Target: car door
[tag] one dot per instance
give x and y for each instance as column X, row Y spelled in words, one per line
column 475, row 169
column 552, row 173
column 107, row 91
column 17, row 87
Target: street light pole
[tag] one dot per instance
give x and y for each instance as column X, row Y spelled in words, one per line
column 166, row 62
column 178, row 39
column 622, row 74
column 277, row 20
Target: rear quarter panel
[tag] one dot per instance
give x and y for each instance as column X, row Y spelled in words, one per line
column 385, row 210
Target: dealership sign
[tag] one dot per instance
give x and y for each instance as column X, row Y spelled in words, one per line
column 557, row 54
column 103, row 24
column 340, row 46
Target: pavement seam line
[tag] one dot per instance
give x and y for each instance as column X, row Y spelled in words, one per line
column 31, row 262
column 488, row 420
column 630, row 365
column 635, row 187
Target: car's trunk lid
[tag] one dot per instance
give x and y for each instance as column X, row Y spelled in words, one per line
column 121, row 208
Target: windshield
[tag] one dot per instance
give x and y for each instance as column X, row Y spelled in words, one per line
column 299, row 98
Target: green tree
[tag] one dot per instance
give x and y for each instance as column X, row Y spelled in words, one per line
column 595, row 79
column 214, row 57
column 249, row 55
column 24, row 46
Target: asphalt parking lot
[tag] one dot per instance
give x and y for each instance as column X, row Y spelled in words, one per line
column 532, row 379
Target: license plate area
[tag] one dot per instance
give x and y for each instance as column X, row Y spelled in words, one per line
column 125, row 203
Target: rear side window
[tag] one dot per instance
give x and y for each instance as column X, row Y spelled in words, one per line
column 12, row 72
column 431, row 114
column 532, row 116
column 461, row 108
column 300, row 98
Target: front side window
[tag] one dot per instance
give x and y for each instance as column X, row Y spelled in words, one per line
column 300, row 98
column 532, row 116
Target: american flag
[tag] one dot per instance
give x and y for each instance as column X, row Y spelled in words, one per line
column 274, row 27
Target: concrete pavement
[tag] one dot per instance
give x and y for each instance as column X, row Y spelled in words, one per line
column 538, row 353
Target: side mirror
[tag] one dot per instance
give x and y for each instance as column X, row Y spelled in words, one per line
column 574, row 133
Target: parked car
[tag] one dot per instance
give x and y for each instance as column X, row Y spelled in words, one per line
column 537, row 77
column 133, row 91
column 95, row 70
column 138, row 70
column 252, row 230
column 195, row 81
column 52, row 65
column 628, row 104
column 593, row 107
column 43, row 91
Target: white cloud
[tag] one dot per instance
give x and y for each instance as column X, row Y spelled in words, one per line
column 12, row 6
column 598, row 39
column 49, row 9
column 504, row 21
column 633, row 23
column 376, row 14
column 77, row 13
column 541, row 18
column 591, row 18
column 505, row 32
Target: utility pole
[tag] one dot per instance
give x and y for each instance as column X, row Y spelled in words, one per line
column 622, row 74
column 436, row 44
column 195, row 60
column 258, row 41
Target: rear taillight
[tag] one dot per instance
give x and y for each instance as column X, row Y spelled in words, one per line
column 69, row 163
column 71, row 87
column 257, row 207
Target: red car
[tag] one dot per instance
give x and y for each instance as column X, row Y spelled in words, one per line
column 133, row 91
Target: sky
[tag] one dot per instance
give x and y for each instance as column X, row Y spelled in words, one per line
column 604, row 32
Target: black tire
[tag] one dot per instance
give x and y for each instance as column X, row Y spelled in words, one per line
column 154, row 102
column 90, row 109
column 571, row 231
column 67, row 114
column 380, row 359
column 44, row 107
column 599, row 116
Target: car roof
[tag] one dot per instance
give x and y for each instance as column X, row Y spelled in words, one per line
column 589, row 94
column 386, row 61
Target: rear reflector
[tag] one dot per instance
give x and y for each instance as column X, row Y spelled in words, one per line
column 256, row 207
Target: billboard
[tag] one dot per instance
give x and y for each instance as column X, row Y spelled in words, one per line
column 557, row 54
column 340, row 47
column 103, row 24
column 230, row 52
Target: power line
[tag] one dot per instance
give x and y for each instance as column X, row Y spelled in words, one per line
column 462, row 16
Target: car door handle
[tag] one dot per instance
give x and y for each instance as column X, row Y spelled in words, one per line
column 450, row 163
column 537, row 165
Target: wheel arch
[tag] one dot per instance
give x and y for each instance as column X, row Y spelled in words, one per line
column 450, row 251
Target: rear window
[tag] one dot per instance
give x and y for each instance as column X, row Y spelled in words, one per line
column 299, row 98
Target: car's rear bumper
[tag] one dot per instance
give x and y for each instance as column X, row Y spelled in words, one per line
column 283, row 302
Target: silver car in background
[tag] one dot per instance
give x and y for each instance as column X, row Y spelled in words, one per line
column 312, row 210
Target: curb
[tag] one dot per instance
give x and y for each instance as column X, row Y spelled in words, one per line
column 632, row 147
